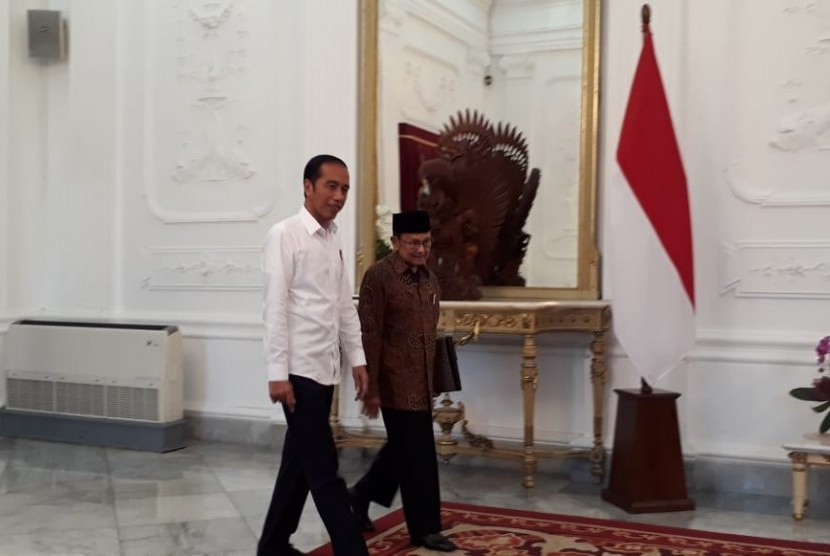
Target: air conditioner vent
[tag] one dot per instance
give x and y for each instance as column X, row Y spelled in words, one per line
column 33, row 395
column 132, row 403
column 80, row 399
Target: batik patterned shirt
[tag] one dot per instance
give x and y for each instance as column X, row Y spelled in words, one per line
column 398, row 311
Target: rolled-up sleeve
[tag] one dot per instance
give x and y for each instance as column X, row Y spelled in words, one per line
column 277, row 269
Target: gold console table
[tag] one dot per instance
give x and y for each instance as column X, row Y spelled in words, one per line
column 526, row 319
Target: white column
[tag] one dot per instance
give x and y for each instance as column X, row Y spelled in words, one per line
column 329, row 84
column 4, row 158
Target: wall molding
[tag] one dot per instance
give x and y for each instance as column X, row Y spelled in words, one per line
column 771, row 197
column 536, row 26
column 207, row 268
column 776, row 269
column 253, row 214
column 764, row 347
column 449, row 21
column 543, row 39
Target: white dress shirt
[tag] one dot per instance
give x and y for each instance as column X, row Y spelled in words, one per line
column 308, row 309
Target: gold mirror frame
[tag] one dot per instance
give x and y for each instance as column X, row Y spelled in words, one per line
column 587, row 285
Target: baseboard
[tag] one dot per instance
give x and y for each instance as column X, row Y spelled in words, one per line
column 703, row 473
column 235, row 430
column 749, row 477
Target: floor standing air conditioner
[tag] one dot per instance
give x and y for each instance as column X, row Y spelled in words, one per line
column 94, row 383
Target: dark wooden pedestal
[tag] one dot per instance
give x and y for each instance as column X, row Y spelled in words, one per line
column 647, row 473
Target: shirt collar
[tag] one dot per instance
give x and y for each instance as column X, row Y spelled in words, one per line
column 311, row 225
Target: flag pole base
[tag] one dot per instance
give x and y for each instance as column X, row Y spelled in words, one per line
column 647, row 473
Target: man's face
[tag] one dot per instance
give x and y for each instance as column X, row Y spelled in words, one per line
column 413, row 248
column 326, row 196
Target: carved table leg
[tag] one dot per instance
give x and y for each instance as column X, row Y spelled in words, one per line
column 799, row 460
column 529, row 382
column 599, row 374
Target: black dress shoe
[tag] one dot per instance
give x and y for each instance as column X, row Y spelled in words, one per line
column 437, row 541
column 361, row 511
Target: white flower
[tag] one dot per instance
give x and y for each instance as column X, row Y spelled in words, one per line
column 383, row 223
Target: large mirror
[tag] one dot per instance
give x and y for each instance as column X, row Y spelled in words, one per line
column 532, row 64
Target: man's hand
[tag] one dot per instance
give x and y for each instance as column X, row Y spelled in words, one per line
column 361, row 381
column 281, row 391
column 371, row 407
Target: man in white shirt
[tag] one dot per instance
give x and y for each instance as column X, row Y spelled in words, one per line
column 309, row 317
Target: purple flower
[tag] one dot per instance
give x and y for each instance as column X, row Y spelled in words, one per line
column 823, row 348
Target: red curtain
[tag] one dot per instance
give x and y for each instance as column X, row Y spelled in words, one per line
column 415, row 146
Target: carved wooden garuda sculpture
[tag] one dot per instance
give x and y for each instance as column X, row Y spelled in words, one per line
column 478, row 194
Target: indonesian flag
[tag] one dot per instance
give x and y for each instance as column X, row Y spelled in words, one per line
column 650, row 260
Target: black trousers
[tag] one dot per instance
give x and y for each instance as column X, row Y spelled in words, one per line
column 309, row 463
column 407, row 460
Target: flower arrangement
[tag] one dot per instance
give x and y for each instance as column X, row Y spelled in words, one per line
column 820, row 390
column 383, row 231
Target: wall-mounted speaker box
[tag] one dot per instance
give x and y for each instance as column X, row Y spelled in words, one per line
column 47, row 35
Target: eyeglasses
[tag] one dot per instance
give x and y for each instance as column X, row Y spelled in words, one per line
column 426, row 243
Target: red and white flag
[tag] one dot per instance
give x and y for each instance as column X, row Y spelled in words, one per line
column 649, row 256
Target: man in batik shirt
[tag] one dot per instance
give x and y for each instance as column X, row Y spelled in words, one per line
column 398, row 311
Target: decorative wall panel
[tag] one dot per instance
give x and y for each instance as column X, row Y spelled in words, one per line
column 429, row 87
column 781, row 109
column 206, row 142
column 776, row 269
column 204, row 268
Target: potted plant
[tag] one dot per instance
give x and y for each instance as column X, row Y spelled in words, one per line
column 819, row 392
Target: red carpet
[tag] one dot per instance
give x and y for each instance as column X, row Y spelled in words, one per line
column 483, row 531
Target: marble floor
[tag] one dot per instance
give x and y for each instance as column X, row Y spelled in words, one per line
column 210, row 498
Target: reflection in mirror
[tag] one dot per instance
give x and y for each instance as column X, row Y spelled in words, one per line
column 529, row 64
column 478, row 193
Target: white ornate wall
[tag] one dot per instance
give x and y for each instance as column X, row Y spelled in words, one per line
column 746, row 83
column 138, row 178
column 144, row 171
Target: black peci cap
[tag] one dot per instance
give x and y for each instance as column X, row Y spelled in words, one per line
column 410, row 222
